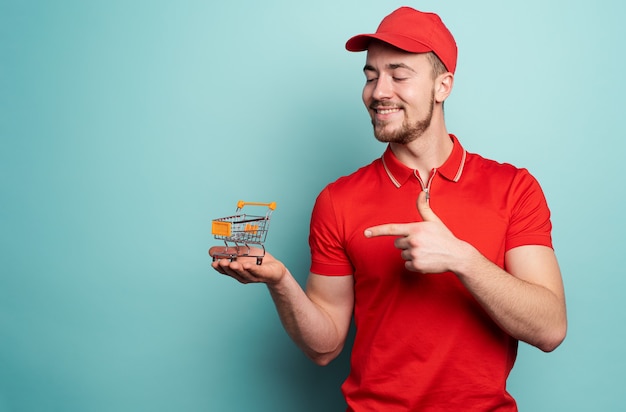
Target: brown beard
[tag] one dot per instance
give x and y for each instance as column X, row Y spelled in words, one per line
column 408, row 132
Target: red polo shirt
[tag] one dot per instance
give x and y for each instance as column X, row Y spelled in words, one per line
column 422, row 341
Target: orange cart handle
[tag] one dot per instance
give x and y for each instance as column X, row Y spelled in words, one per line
column 241, row 204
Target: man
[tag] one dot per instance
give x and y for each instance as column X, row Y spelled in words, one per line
column 443, row 257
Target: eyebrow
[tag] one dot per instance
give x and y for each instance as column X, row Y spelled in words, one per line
column 391, row 66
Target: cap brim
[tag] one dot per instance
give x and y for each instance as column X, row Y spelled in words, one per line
column 361, row 42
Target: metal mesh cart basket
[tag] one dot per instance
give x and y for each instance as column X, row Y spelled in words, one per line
column 242, row 230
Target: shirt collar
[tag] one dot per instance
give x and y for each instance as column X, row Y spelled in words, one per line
column 451, row 169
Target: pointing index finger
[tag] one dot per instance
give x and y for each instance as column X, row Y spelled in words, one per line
column 390, row 229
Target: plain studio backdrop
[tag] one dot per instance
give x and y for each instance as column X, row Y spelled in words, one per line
column 127, row 126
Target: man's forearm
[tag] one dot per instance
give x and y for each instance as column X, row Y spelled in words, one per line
column 528, row 311
column 308, row 324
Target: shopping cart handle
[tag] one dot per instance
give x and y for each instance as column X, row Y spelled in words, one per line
column 241, row 204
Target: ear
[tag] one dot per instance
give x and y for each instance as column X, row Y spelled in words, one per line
column 443, row 86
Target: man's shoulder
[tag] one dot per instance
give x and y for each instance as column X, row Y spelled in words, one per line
column 483, row 165
column 499, row 176
column 359, row 177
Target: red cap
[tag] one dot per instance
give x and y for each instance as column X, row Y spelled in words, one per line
column 412, row 31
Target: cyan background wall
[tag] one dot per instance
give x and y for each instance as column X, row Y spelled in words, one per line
column 127, row 125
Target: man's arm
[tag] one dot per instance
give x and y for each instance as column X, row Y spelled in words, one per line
column 317, row 320
column 527, row 300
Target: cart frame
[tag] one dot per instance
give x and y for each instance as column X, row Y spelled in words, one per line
column 242, row 230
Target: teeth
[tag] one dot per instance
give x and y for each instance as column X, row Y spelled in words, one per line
column 387, row 111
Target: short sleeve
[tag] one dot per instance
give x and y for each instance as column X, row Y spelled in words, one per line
column 328, row 255
column 530, row 216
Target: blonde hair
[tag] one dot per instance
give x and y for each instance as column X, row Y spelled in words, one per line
column 438, row 66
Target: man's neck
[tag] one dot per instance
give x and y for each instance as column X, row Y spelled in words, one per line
column 425, row 153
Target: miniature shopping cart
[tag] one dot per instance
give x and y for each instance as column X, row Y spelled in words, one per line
column 241, row 230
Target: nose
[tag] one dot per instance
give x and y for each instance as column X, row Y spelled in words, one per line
column 383, row 89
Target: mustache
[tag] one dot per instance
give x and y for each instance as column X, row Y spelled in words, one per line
column 376, row 105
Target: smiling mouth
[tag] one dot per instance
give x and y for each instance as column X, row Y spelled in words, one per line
column 386, row 110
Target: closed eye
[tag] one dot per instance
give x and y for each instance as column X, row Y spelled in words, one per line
column 370, row 74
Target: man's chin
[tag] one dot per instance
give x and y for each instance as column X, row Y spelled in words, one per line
column 387, row 136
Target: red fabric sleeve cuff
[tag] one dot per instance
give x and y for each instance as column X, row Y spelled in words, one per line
column 331, row 270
